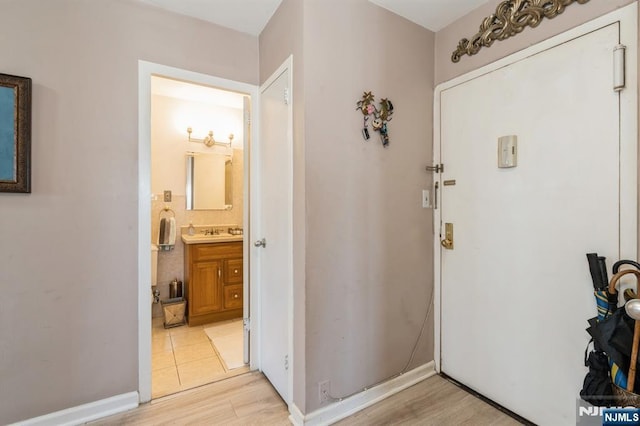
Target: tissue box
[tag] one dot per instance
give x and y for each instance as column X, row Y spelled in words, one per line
column 174, row 312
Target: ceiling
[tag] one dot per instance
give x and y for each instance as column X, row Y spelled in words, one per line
column 247, row 16
column 251, row 16
column 434, row 15
column 195, row 93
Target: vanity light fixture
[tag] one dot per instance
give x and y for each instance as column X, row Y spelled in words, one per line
column 209, row 140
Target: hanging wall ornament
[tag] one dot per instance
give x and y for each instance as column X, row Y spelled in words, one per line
column 366, row 106
column 383, row 116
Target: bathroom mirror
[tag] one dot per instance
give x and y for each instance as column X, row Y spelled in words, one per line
column 209, row 181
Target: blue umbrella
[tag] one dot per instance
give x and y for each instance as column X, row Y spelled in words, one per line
column 606, row 303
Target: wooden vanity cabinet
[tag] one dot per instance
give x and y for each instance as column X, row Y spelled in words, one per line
column 213, row 282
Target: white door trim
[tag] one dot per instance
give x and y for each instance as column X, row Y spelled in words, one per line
column 145, row 71
column 286, row 65
column 627, row 16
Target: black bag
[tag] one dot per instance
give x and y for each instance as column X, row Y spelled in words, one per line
column 597, row 388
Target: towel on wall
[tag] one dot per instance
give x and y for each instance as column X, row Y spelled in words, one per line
column 171, row 240
column 161, row 233
column 167, row 231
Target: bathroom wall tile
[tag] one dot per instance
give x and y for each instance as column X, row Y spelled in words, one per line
column 163, row 288
column 156, row 311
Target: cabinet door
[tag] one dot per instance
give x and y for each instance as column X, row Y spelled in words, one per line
column 233, row 271
column 206, row 288
column 233, row 296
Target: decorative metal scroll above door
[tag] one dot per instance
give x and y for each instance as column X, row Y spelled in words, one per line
column 511, row 17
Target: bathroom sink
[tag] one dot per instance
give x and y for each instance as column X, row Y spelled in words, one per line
column 215, row 238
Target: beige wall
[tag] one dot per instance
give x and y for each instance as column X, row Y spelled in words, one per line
column 447, row 39
column 170, row 118
column 362, row 248
column 283, row 36
column 68, row 312
column 361, row 290
column 369, row 267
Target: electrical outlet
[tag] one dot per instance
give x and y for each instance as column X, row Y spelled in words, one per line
column 426, row 200
column 324, row 391
column 167, row 196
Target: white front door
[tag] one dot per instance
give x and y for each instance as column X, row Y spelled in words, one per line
column 515, row 290
column 274, row 253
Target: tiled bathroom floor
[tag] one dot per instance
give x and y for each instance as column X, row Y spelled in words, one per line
column 184, row 358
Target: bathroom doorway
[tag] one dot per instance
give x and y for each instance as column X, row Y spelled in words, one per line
column 197, row 152
column 199, row 130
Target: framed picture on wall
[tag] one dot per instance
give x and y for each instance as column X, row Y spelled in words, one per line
column 15, row 133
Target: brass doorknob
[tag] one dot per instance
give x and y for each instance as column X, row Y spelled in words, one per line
column 448, row 236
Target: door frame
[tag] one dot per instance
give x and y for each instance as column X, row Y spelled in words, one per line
column 287, row 65
column 628, row 18
column 145, row 71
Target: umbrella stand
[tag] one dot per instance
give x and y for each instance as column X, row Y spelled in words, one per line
column 632, row 307
column 634, row 356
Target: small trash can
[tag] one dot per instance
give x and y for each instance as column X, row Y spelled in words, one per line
column 174, row 312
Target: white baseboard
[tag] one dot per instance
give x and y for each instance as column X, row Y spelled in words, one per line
column 295, row 415
column 341, row 409
column 86, row 412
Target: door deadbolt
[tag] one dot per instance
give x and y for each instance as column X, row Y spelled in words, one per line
column 448, row 236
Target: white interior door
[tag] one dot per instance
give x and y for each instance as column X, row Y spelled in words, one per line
column 274, row 256
column 515, row 289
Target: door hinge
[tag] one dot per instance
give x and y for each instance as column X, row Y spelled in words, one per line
column 246, row 323
column 286, row 96
column 438, row 168
column 286, row 362
column 619, row 53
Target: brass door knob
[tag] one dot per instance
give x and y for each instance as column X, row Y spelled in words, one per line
column 448, row 236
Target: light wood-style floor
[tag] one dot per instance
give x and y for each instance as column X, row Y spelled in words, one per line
column 435, row 401
column 250, row 400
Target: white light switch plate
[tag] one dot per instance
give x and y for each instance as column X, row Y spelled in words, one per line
column 426, row 199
